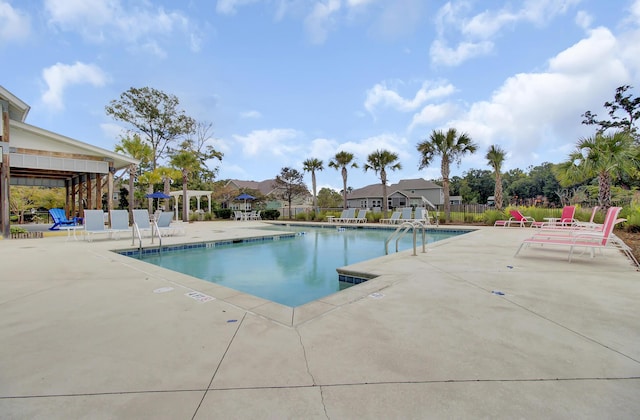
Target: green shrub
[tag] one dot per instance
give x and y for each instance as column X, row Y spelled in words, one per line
column 208, row 216
column 272, row 214
column 490, row 216
column 223, row 213
column 303, row 217
column 374, row 217
column 632, row 214
column 17, row 229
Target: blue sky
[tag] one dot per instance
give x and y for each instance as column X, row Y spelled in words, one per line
column 285, row 80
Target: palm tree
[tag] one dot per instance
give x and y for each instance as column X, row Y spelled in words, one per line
column 340, row 161
column 167, row 174
column 187, row 162
column 495, row 157
column 312, row 165
column 137, row 149
column 451, row 146
column 379, row 161
column 605, row 156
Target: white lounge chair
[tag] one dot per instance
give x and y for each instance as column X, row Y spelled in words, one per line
column 141, row 221
column 164, row 224
column 422, row 215
column 393, row 219
column 362, row 216
column 336, row 219
column 406, row 214
column 347, row 216
column 119, row 222
column 94, row 223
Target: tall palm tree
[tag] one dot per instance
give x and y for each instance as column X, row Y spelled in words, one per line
column 187, row 162
column 312, row 165
column 167, row 174
column 379, row 161
column 340, row 161
column 137, row 149
column 605, row 156
column 495, row 158
column 450, row 146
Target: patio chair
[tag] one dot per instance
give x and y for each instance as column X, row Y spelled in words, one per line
column 422, row 215
column 347, row 216
column 587, row 239
column 564, row 221
column 94, row 224
column 406, row 214
column 591, row 224
column 395, row 216
column 164, row 224
column 332, row 219
column 516, row 218
column 141, row 222
column 119, row 222
column 362, row 216
column 60, row 219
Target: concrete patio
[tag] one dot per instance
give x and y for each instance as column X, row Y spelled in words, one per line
column 87, row 333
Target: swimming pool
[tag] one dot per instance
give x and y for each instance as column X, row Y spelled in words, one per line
column 291, row 269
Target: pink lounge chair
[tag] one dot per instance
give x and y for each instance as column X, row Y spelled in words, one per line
column 516, row 218
column 564, row 221
column 588, row 239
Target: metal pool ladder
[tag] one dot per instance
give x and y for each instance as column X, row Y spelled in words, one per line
column 402, row 230
column 135, row 233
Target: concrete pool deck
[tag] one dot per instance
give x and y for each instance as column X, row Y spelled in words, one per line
column 87, row 333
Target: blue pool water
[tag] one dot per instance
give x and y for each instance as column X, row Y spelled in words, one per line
column 291, row 270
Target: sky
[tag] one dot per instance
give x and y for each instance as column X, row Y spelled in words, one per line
column 285, row 80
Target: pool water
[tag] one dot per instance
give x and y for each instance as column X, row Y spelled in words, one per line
column 293, row 270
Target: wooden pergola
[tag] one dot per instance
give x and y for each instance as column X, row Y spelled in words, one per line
column 32, row 156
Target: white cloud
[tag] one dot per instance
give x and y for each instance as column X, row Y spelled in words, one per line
column 443, row 54
column 381, row 95
column 320, row 21
column 323, row 149
column 273, row 142
column 60, row 76
column 534, row 115
column 253, row 114
column 386, row 141
column 584, row 19
column 107, row 20
column 229, row 7
column 477, row 32
column 432, row 114
column 14, row 23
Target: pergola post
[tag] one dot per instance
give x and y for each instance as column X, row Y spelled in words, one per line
column 112, row 170
column 5, row 173
column 98, row 191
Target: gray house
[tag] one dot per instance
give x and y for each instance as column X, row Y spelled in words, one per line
column 408, row 192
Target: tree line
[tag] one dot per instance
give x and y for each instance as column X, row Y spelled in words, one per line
column 173, row 147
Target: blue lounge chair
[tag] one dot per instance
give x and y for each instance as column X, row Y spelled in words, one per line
column 60, row 219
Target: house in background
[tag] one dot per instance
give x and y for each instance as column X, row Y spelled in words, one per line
column 267, row 189
column 408, row 192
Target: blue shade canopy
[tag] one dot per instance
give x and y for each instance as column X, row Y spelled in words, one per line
column 158, row 194
column 245, row 196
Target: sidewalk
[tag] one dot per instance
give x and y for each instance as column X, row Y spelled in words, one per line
column 87, row 333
